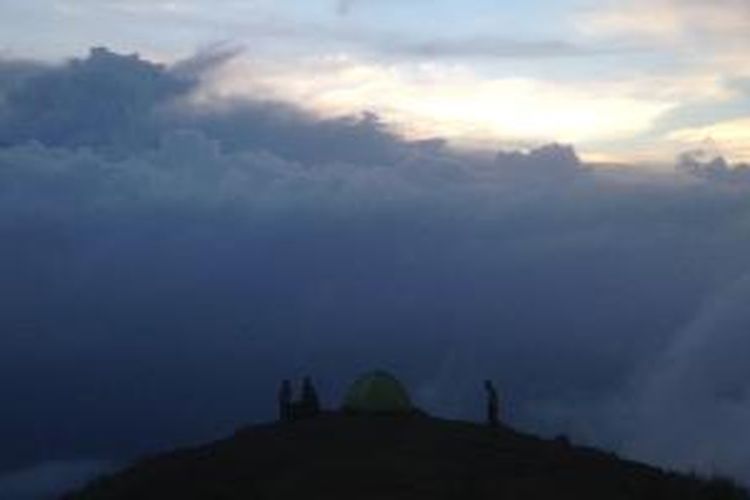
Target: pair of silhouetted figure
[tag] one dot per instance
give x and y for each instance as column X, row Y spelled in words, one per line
column 493, row 404
column 308, row 405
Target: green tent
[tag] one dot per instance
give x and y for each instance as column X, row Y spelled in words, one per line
column 377, row 392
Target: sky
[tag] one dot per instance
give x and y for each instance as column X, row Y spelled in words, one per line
column 634, row 81
column 267, row 192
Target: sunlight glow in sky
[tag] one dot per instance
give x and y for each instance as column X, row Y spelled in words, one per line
column 627, row 80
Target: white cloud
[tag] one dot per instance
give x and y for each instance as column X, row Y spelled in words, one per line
column 456, row 102
column 668, row 21
column 731, row 137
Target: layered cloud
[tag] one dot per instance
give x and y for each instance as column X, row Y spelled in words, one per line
column 671, row 21
column 730, row 135
column 618, row 78
column 686, row 37
column 455, row 102
column 164, row 270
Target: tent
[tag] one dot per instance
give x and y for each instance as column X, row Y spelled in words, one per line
column 377, row 392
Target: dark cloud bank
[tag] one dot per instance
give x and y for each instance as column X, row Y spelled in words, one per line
column 165, row 263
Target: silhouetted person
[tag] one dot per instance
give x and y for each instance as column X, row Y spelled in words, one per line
column 309, row 400
column 492, row 404
column 285, row 401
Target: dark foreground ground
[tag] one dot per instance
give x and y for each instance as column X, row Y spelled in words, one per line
column 368, row 457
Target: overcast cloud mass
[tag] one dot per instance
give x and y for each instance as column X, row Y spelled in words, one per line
column 166, row 260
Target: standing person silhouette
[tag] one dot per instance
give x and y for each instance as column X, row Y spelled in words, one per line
column 310, row 401
column 285, row 401
column 492, row 404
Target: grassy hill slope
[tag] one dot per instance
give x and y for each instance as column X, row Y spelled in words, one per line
column 376, row 457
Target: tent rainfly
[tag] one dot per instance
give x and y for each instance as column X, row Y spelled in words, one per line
column 377, row 392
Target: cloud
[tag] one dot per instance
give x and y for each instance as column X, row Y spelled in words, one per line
column 206, row 61
column 344, row 7
column 731, row 136
column 45, row 481
column 707, row 165
column 686, row 39
column 698, row 389
column 456, row 103
column 120, row 104
column 15, row 72
column 156, row 296
column 105, row 100
column 492, row 47
column 669, row 21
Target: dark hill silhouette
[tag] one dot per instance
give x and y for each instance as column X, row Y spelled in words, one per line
column 360, row 457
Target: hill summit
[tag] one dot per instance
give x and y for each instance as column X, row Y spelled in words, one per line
column 343, row 456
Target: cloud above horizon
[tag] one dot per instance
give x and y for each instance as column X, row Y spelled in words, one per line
column 45, row 481
column 670, row 21
column 421, row 101
column 169, row 255
column 620, row 79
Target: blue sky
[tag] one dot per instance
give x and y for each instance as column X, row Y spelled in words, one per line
column 625, row 80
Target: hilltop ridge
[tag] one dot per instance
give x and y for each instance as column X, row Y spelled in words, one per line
column 337, row 456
